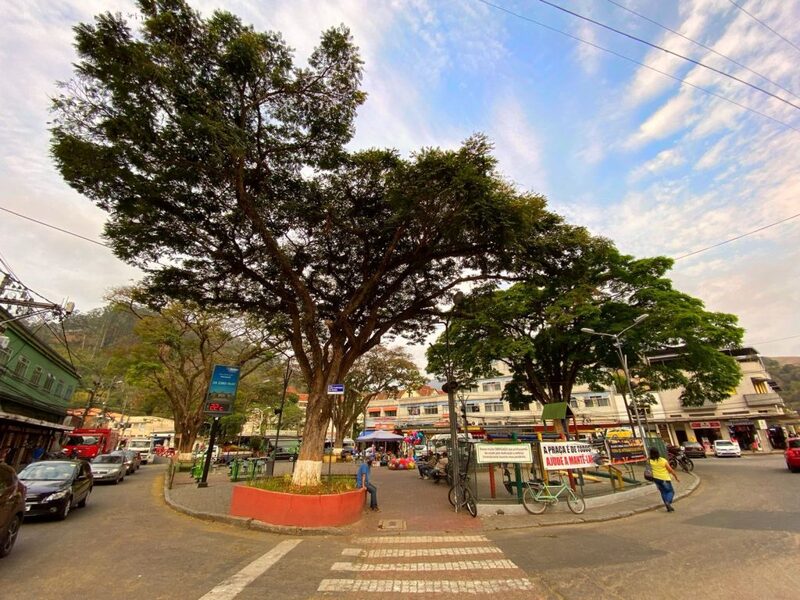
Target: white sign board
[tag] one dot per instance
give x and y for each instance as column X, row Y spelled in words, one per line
column 504, row 453
column 336, row 389
column 567, row 455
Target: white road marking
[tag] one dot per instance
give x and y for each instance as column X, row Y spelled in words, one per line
column 417, row 552
column 232, row 586
column 421, row 586
column 420, row 539
column 461, row 565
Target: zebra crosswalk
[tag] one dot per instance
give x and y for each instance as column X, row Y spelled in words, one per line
column 425, row 564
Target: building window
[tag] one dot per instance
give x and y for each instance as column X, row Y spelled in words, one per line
column 36, row 377
column 5, row 355
column 374, row 413
column 413, row 411
column 491, row 386
column 589, row 402
column 48, row 382
column 21, row 367
column 518, row 408
column 473, row 407
column 603, row 402
column 760, row 386
column 390, row 413
column 573, row 402
column 494, row 407
column 431, row 410
column 59, row 388
column 68, row 392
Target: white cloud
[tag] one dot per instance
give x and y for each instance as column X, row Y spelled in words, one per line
column 676, row 114
column 664, row 160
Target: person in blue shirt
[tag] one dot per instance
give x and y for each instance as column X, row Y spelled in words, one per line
column 362, row 481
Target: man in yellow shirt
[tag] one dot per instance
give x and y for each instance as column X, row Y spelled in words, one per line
column 661, row 477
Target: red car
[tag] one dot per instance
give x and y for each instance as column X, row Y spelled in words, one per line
column 792, row 454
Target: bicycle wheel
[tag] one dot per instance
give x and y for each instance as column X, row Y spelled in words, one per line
column 507, row 481
column 673, row 462
column 576, row 504
column 531, row 504
column 687, row 465
column 469, row 502
column 451, row 496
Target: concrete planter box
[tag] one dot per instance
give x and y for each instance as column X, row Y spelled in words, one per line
column 297, row 510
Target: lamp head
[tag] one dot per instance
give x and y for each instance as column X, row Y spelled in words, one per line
column 587, row 330
column 641, row 318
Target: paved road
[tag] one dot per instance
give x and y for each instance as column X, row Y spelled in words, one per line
column 737, row 536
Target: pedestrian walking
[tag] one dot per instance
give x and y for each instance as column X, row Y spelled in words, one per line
column 362, row 481
column 661, row 477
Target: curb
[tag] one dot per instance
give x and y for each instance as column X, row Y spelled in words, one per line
column 255, row 525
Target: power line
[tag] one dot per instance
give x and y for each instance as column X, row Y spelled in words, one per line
column 641, row 64
column 757, row 20
column 791, row 337
column 668, row 51
column 77, row 235
column 738, row 237
column 702, row 45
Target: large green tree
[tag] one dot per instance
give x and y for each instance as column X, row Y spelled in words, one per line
column 534, row 328
column 224, row 171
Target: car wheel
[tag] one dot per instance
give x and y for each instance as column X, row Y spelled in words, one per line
column 12, row 531
column 65, row 511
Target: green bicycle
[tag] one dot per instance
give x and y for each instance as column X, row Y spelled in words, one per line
column 538, row 495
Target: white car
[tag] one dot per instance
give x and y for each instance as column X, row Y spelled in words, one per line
column 727, row 448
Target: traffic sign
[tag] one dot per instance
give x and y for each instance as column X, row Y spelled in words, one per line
column 336, row 389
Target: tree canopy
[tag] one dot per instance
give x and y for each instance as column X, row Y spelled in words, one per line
column 224, row 171
column 534, row 328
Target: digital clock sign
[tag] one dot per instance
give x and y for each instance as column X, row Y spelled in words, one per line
column 222, row 390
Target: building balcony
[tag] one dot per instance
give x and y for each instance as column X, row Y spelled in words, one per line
column 770, row 399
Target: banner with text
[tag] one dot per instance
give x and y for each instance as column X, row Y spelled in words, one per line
column 504, row 453
column 626, row 451
column 567, row 455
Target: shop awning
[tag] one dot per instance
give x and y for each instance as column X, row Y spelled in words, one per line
column 556, row 410
column 35, row 422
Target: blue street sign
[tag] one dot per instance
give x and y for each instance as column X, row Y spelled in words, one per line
column 222, row 390
column 336, row 389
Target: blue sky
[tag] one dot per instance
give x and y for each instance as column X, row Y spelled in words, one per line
column 657, row 166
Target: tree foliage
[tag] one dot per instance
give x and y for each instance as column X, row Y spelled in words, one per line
column 534, row 328
column 224, row 171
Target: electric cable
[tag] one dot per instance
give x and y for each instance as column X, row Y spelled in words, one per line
column 77, row 235
column 738, row 237
column 791, row 337
column 668, row 51
column 702, row 45
column 641, row 64
column 757, row 20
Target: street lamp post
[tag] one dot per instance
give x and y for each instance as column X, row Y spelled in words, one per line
column 617, row 337
column 451, row 385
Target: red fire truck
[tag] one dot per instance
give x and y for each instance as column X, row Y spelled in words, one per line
column 88, row 443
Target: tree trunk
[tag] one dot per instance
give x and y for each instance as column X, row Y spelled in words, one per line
column 308, row 469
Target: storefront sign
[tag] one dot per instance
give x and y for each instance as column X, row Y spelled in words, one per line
column 504, row 453
column 704, row 424
column 625, row 451
column 567, row 455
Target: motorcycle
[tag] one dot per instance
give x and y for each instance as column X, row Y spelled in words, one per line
column 677, row 458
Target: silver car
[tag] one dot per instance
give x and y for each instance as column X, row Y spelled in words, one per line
column 109, row 467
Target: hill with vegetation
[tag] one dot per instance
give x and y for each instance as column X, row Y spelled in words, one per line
column 785, row 370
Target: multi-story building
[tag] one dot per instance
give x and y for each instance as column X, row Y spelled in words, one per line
column 754, row 412
column 36, row 384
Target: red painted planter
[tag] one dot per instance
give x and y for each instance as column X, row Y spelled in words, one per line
column 297, row 510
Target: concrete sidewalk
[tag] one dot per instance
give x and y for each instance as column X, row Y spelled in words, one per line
column 409, row 503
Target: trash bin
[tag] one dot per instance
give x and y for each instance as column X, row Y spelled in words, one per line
column 269, row 467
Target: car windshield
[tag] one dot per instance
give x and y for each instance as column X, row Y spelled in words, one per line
column 794, row 443
column 724, row 443
column 47, row 472
column 78, row 440
column 690, row 444
column 107, row 459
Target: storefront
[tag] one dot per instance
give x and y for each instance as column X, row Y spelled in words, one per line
column 705, row 432
column 742, row 431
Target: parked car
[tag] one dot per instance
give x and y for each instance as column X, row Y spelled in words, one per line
column 694, row 449
column 131, row 458
column 792, row 454
column 109, row 467
column 55, row 486
column 726, row 448
column 12, row 508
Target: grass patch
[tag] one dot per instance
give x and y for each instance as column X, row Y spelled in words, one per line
column 335, row 484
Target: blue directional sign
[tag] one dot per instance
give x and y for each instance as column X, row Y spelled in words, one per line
column 336, row 389
column 222, row 390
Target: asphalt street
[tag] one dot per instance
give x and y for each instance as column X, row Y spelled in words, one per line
column 737, row 536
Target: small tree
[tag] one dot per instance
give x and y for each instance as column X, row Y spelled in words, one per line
column 381, row 370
